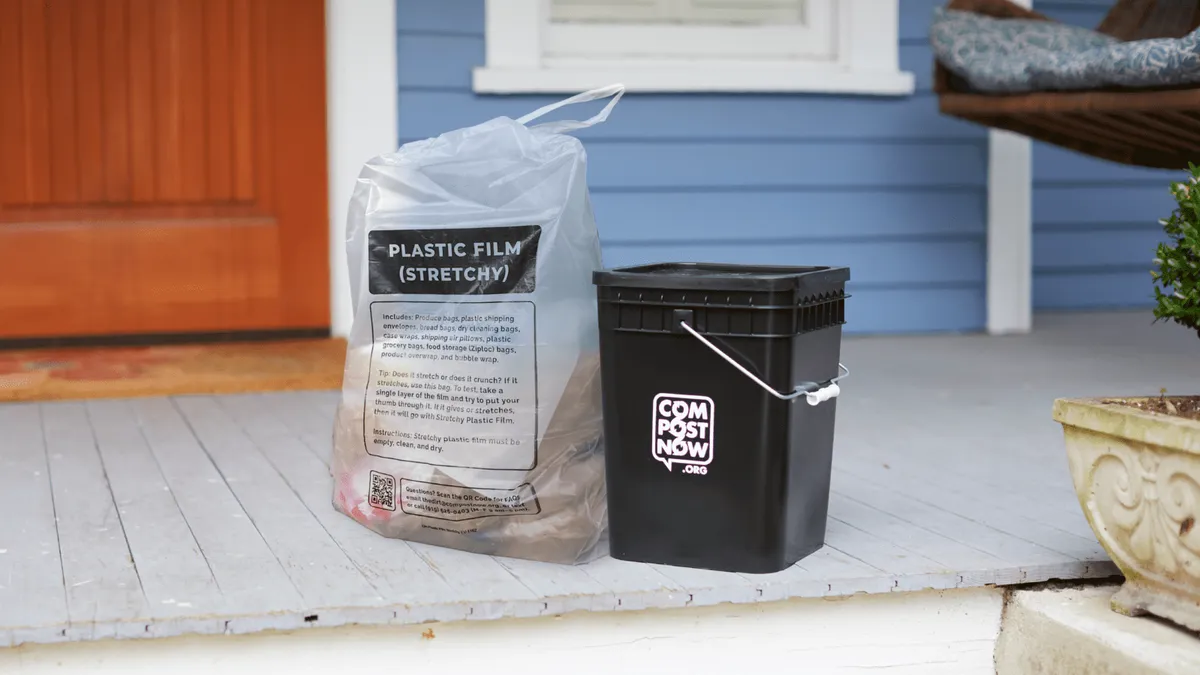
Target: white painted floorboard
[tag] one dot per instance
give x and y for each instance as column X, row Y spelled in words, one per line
column 200, row 515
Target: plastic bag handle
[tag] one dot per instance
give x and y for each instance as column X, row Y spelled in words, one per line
column 616, row 91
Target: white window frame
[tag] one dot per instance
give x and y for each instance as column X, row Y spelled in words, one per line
column 858, row 53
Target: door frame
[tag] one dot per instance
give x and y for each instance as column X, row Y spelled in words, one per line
column 362, row 104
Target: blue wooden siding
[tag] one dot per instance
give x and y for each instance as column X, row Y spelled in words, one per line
column 1095, row 223
column 884, row 185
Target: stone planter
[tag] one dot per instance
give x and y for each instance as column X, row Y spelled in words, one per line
column 1137, row 475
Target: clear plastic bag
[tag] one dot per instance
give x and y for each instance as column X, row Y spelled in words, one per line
column 470, row 413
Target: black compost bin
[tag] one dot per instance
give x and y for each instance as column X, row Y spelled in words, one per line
column 707, row 466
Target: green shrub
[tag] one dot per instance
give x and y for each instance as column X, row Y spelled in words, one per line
column 1177, row 277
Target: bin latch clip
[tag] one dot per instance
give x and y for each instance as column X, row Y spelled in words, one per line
column 813, row 392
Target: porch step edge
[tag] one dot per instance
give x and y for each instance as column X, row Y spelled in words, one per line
column 1070, row 631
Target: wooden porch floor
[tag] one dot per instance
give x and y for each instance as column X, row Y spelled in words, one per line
column 211, row 514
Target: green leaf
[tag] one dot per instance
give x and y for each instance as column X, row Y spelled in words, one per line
column 1175, row 277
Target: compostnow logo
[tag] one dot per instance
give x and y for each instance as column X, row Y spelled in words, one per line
column 683, row 432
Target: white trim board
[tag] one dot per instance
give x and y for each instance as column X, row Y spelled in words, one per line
column 1009, row 234
column 720, row 78
column 1010, row 231
column 930, row 633
column 360, row 70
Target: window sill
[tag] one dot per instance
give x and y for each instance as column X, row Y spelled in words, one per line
column 768, row 78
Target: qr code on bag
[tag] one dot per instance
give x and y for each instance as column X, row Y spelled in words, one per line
column 383, row 491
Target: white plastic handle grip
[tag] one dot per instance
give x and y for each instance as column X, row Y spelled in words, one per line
column 823, row 394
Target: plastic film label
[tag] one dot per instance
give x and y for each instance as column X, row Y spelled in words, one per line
column 466, row 261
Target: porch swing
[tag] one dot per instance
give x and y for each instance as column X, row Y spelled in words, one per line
column 1157, row 128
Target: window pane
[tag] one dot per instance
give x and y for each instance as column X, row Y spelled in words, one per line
column 741, row 11
column 694, row 12
column 609, row 11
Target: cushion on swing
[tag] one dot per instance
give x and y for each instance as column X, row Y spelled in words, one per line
column 1026, row 55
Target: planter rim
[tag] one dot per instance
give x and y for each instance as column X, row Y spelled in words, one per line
column 1114, row 419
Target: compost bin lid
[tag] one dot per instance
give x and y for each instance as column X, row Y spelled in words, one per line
column 720, row 277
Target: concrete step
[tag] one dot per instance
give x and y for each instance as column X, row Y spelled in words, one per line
column 1073, row 631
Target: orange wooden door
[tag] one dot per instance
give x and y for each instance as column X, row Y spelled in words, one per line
column 162, row 167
